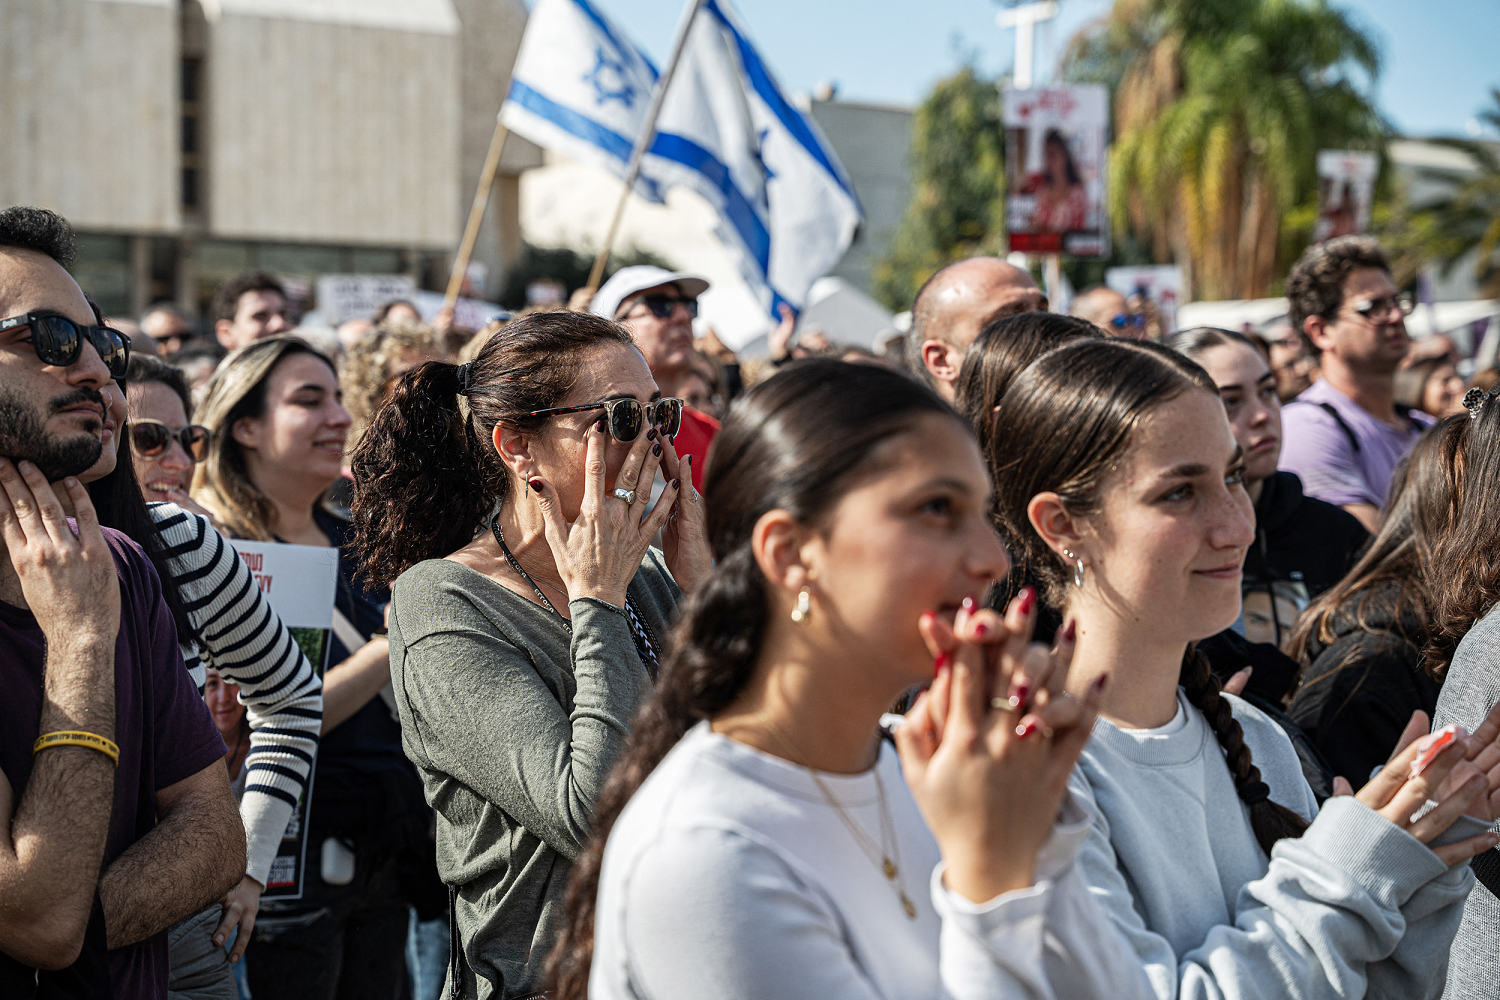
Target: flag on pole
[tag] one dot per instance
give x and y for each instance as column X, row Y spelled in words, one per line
column 725, row 131
column 579, row 87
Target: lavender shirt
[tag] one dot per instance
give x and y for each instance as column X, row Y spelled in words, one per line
column 161, row 724
column 1320, row 452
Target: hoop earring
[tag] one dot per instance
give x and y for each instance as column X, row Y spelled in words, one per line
column 802, row 610
column 1077, row 567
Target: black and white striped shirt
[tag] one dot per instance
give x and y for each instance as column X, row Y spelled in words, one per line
column 244, row 640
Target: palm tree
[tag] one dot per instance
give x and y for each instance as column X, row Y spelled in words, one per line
column 1220, row 109
column 1466, row 219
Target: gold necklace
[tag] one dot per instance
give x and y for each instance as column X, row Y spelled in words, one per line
column 888, row 860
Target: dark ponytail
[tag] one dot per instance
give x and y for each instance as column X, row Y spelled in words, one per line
column 425, row 472
column 796, row 442
column 1064, row 423
column 1269, row 820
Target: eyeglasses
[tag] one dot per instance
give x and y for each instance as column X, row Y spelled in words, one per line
column 627, row 416
column 1370, row 309
column 662, row 306
column 1124, row 320
column 150, row 438
column 58, row 340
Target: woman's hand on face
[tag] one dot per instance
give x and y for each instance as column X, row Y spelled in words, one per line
column 685, row 538
column 598, row 554
column 988, row 748
column 1430, row 782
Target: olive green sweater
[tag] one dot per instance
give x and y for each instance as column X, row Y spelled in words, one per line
column 514, row 724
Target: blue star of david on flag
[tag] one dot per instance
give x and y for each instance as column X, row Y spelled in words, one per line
column 610, row 80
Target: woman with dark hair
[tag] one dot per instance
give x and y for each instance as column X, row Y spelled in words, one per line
column 1463, row 649
column 1431, row 385
column 1120, row 488
column 509, row 499
column 277, row 440
column 1362, row 641
column 758, row 838
column 221, row 618
column 1061, row 201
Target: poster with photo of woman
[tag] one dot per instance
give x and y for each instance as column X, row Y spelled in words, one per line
column 1055, row 143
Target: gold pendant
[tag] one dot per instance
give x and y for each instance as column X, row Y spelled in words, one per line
column 888, row 868
column 909, row 907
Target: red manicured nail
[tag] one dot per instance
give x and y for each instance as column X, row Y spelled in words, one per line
column 938, row 663
column 1070, row 630
column 1025, row 729
column 1018, row 694
column 535, row 484
column 1027, row 601
column 969, row 604
column 981, row 629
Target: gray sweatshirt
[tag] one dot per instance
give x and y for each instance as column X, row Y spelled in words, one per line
column 1469, row 692
column 1355, row 907
column 514, row 725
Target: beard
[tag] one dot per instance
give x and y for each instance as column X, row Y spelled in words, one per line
column 24, row 437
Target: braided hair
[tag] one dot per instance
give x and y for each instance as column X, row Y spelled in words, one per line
column 796, row 442
column 1065, row 422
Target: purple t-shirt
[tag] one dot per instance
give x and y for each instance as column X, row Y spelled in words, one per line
column 1322, row 455
column 161, row 724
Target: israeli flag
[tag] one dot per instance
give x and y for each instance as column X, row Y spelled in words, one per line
column 725, row 131
column 579, row 87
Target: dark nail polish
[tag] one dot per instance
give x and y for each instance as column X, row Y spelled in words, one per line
column 651, row 434
column 1070, row 630
column 1027, row 600
column 656, row 450
column 535, row 484
column 677, row 484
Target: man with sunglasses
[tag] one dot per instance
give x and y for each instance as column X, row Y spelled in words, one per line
column 108, row 865
column 1109, row 311
column 658, row 307
column 1345, row 433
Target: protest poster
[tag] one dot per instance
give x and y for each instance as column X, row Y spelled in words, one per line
column 1346, row 186
column 1055, row 141
column 299, row 582
column 1155, row 287
column 356, row 296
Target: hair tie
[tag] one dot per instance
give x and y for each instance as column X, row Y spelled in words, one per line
column 1253, row 792
column 465, row 373
column 1474, row 401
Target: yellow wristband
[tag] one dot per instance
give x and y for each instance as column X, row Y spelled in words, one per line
column 78, row 738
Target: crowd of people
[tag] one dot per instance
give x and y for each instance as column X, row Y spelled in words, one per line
column 1045, row 656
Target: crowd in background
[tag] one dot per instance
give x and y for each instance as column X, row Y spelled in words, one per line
column 1032, row 655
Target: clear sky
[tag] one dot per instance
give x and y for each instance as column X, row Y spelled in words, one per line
column 1440, row 56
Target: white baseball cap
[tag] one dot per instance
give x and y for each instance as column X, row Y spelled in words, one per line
column 628, row 280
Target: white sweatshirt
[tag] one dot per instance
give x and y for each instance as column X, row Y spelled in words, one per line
column 729, row 875
column 1354, row 907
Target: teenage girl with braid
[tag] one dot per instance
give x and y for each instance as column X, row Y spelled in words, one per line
column 769, row 844
column 1120, row 487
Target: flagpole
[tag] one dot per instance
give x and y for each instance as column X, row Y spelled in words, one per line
column 643, row 141
column 476, row 214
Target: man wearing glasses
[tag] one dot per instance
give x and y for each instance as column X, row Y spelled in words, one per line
column 116, row 818
column 1345, row 433
column 658, row 307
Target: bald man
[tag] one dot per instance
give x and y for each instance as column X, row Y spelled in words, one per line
column 955, row 304
column 1109, row 311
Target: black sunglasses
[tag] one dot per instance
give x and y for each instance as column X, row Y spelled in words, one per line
column 1369, row 309
column 58, row 340
column 628, row 416
column 150, row 438
column 662, row 306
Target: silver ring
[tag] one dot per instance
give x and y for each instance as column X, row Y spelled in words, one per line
column 623, row 494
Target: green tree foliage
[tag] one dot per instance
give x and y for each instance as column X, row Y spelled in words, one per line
column 1464, row 222
column 1220, row 109
column 958, row 187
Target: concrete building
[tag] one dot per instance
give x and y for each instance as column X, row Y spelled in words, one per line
column 190, row 139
